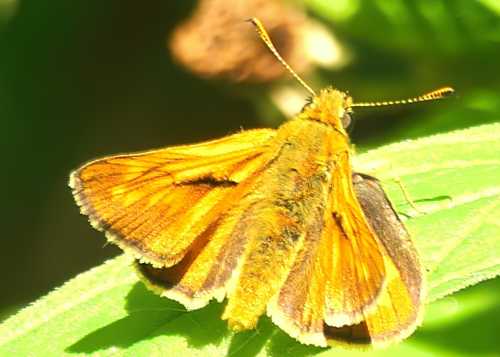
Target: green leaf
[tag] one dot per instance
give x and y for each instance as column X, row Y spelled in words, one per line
column 453, row 179
column 414, row 25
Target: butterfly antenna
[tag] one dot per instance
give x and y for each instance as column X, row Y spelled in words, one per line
column 434, row 95
column 264, row 36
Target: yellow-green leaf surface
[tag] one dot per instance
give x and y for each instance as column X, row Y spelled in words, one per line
column 454, row 179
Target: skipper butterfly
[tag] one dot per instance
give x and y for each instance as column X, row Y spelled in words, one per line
column 275, row 221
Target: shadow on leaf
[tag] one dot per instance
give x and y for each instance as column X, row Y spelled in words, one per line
column 146, row 312
column 151, row 316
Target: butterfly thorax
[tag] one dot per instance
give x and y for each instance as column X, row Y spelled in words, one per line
column 330, row 106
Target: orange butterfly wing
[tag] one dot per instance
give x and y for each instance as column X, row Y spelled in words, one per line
column 340, row 302
column 155, row 204
column 400, row 306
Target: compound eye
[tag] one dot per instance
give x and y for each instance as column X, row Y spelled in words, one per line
column 346, row 120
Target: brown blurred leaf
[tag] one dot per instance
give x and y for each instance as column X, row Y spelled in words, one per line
column 217, row 41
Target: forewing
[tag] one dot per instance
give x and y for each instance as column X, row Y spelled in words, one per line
column 357, row 273
column 156, row 204
column 400, row 305
column 210, row 261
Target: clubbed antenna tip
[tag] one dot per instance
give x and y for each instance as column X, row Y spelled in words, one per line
column 434, row 95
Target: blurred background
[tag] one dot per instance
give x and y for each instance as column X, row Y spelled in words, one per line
column 79, row 80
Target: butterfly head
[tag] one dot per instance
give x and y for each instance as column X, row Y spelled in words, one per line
column 330, row 106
